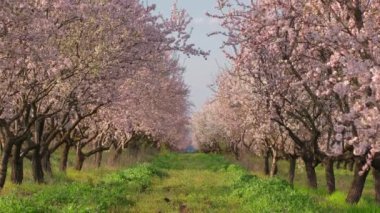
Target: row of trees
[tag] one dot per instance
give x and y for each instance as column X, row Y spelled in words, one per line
column 304, row 84
column 87, row 76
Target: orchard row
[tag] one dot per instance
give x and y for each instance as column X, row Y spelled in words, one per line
column 87, row 76
column 304, row 83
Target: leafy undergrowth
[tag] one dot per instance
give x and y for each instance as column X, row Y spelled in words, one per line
column 111, row 192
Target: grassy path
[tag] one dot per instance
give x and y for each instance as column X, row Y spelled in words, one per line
column 191, row 185
column 209, row 183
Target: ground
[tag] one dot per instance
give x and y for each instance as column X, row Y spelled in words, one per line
column 191, row 185
column 178, row 183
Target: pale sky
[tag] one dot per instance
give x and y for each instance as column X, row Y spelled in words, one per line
column 200, row 73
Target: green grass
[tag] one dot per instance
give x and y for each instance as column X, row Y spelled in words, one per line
column 173, row 182
column 87, row 192
column 210, row 183
column 336, row 201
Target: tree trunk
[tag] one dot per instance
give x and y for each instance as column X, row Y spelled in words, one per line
column 98, row 159
column 357, row 184
column 17, row 174
column 79, row 162
column 376, row 178
column 273, row 169
column 46, row 164
column 236, row 155
column 4, row 162
column 292, row 169
column 351, row 165
column 266, row 163
column 116, row 156
column 345, row 164
column 338, row 163
column 310, row 173
column 330, row 177
column 64, row 157
column 38, row 174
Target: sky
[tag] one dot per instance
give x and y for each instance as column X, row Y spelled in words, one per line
column 200, row 73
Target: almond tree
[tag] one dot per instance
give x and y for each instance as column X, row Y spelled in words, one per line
column 353, row 62
column 316, row 62
column 269, row 49
column 65, row 64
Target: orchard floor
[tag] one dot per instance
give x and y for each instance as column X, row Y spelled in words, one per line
column 209, row 183
column 192, row 184
column 174, row 183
